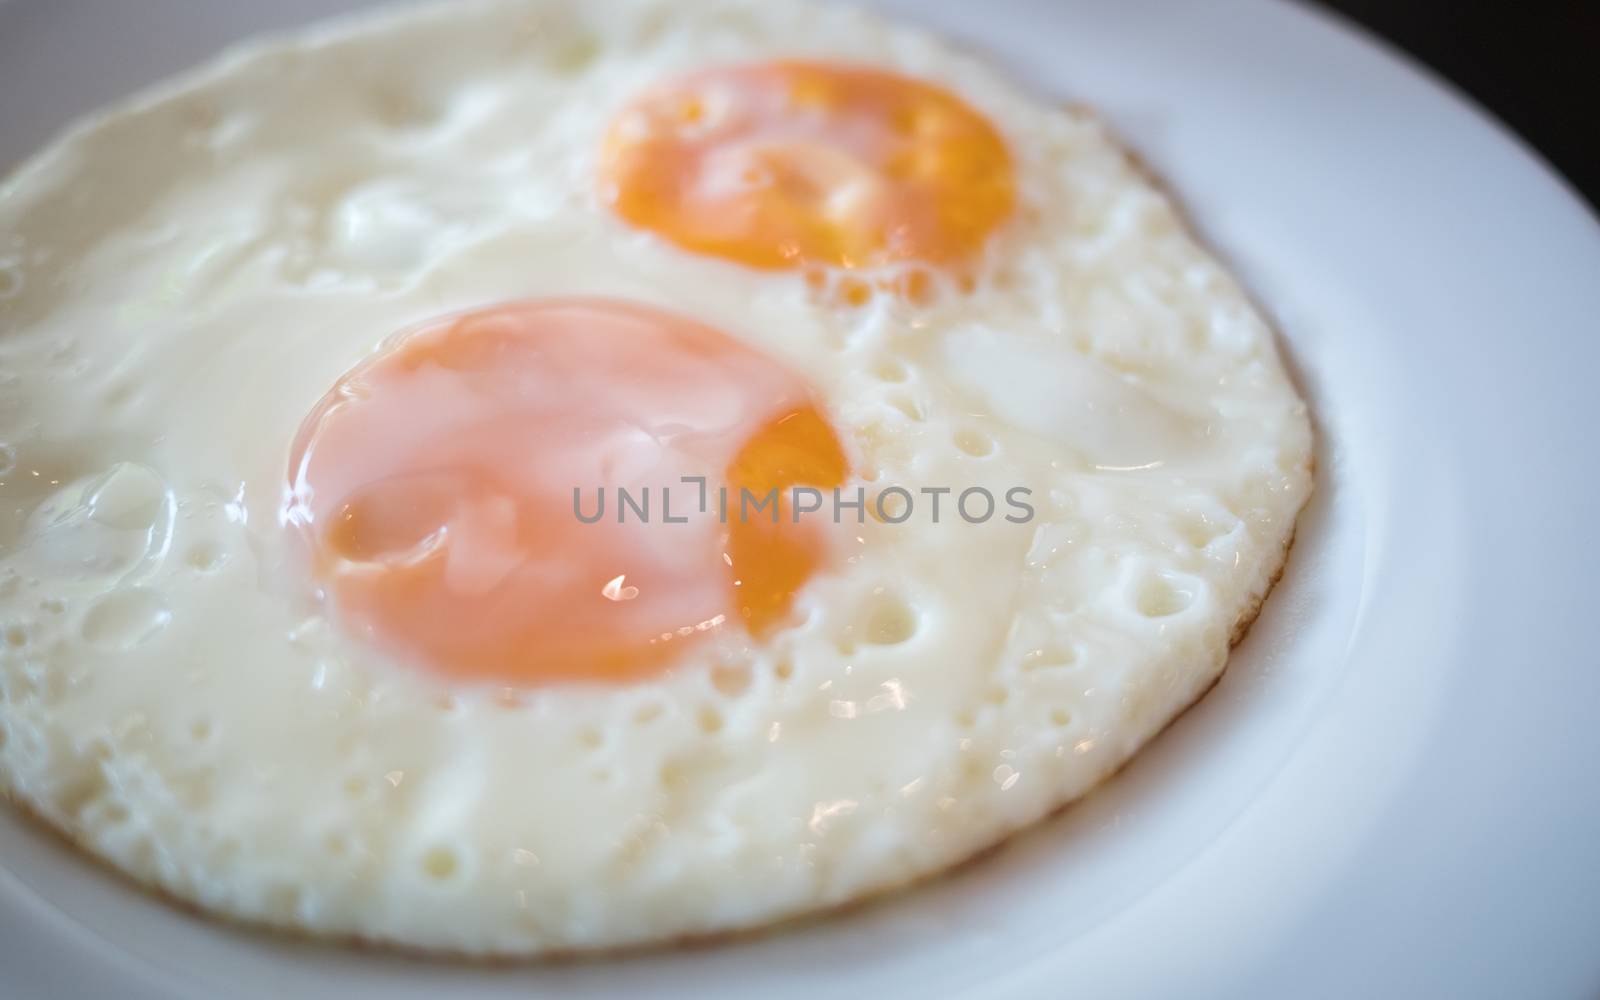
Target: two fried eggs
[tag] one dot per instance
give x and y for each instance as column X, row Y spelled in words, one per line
column 303, row 360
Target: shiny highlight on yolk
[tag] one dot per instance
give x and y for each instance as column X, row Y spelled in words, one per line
column 435, row 482
column 790, row 163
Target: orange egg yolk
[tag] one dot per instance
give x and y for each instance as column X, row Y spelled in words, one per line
column 788, row 163
column 448, row 488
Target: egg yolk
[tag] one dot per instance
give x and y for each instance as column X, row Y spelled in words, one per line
column 788, row 163
column 462, row 492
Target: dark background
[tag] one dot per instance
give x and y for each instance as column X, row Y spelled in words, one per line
column 1534, row 63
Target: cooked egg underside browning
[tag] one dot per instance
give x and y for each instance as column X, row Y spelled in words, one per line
column 183, row 277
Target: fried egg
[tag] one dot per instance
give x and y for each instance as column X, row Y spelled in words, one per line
column 371, row 402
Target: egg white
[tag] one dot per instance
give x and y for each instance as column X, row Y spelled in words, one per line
column 189, row 272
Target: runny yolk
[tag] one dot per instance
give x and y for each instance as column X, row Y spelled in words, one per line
column 446, row 485
column 787, row 163
column 769, row 560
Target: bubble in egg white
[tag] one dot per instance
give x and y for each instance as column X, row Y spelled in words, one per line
column 124, row 618
column 101, row 527
column 129, row 497
column 1162, row 595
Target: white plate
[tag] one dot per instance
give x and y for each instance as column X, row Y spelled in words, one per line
column 1392, row 791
